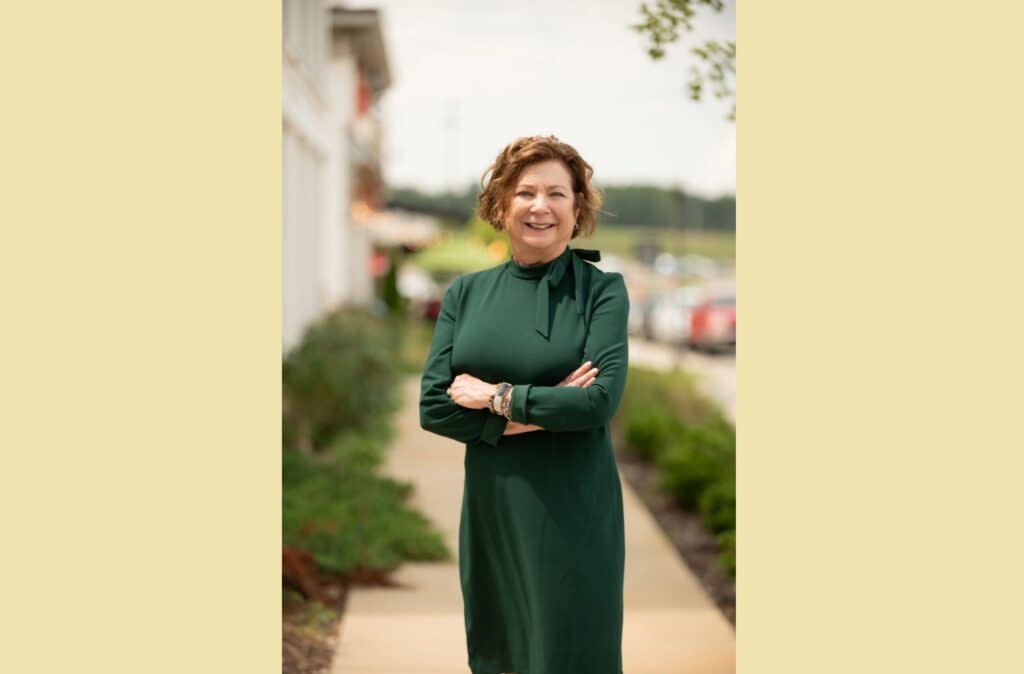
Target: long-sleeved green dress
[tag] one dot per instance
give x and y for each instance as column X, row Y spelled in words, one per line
column 541, row 540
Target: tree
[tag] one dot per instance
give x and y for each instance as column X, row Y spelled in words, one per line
column 716, row 67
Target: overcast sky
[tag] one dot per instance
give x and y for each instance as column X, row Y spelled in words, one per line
column 469, row 76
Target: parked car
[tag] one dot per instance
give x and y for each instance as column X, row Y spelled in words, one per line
column 699, row 266
column 713, row 324
column 670, row 315
column 640, row 297
column 637, row 314
column 666, row 264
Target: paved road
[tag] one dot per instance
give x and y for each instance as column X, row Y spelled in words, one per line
column 716, row 374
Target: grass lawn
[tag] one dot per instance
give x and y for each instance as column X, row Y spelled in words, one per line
column 460, row 252
column 619, row 240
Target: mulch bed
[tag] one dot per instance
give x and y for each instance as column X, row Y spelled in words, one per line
column 695, row 545
column 309, row 639
column 307, row 645
column 305, row 649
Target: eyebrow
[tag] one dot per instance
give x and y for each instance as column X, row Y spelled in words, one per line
column 554, row 187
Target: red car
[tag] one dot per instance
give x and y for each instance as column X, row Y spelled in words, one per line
column 713, row 324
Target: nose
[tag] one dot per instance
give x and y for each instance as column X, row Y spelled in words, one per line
column 539, row 203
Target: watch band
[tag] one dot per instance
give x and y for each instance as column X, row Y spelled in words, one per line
column 506, row 404
column 499, row 393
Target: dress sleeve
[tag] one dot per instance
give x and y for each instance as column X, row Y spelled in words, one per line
column 438, row 413
column 565, row 408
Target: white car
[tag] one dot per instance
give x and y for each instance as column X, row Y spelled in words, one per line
column 699, row 266
column 670, row 313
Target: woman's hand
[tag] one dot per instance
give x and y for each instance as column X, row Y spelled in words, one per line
column 583, row 376
column 468, row 391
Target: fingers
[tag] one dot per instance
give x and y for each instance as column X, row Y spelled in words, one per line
column 460, row 382
column 575, row 375
column 579, row 371
column 584, row 376
column 586, row 379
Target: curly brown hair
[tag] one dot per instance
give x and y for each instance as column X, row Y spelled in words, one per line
column 509, row 165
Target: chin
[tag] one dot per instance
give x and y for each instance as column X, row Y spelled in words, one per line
column 541, row 238
column 541, row 246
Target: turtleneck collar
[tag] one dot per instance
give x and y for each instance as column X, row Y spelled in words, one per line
column 534, row 271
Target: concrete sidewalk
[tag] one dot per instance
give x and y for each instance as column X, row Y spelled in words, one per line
column 670, row 625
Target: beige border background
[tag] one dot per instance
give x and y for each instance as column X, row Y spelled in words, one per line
column 141, row 415
column 879, row 378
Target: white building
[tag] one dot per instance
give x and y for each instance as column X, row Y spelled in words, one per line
column 334, row 70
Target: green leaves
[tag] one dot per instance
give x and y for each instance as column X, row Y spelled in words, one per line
column 349, row 517
column 694, row 447
column 649, row 430
column 343, row 376
column 666, row 21
column 718, row 67
column 340, row 393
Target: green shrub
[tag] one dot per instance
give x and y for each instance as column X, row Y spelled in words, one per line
column 342, row 376
column 717, row 504
column 727, row 551
column 341, row 388
column 650, row 430
column 701, row 456
column 352, row 518
column 685, row 471
column 361, row 450
column 393, row 300
column 664, row 417
column 673, row 392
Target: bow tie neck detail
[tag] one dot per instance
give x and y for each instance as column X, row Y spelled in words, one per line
column 572, row 258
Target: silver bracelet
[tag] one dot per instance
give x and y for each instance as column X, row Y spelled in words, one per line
column 506, row 404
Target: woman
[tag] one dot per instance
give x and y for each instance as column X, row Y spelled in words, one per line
column 541, row 543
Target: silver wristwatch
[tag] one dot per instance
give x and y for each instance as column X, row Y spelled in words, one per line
column 499, row 393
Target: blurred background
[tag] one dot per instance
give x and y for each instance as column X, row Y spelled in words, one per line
column 391, row 112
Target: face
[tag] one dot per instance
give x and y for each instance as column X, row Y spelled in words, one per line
column 541, row 213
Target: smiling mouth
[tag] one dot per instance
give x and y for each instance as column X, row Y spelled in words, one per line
column 539, row 226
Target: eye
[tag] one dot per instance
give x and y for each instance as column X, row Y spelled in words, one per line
column 557, row 194
column 523, row 194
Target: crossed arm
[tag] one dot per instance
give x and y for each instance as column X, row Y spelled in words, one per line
column 579, row 402
column 475, row 394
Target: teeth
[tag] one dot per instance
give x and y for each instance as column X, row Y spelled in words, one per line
column 539, row 226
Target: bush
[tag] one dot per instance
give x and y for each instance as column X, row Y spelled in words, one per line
column 702, row 455
column 727, row 551
column 393, row 300
column 717, row 505
column 342, row 376
column 650, row 430
column 340, row 387
column 351, row 518
column 675, row 393
column 663, row 417
column 361, row 450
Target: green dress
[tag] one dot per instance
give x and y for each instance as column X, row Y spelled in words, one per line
column 541, row 541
